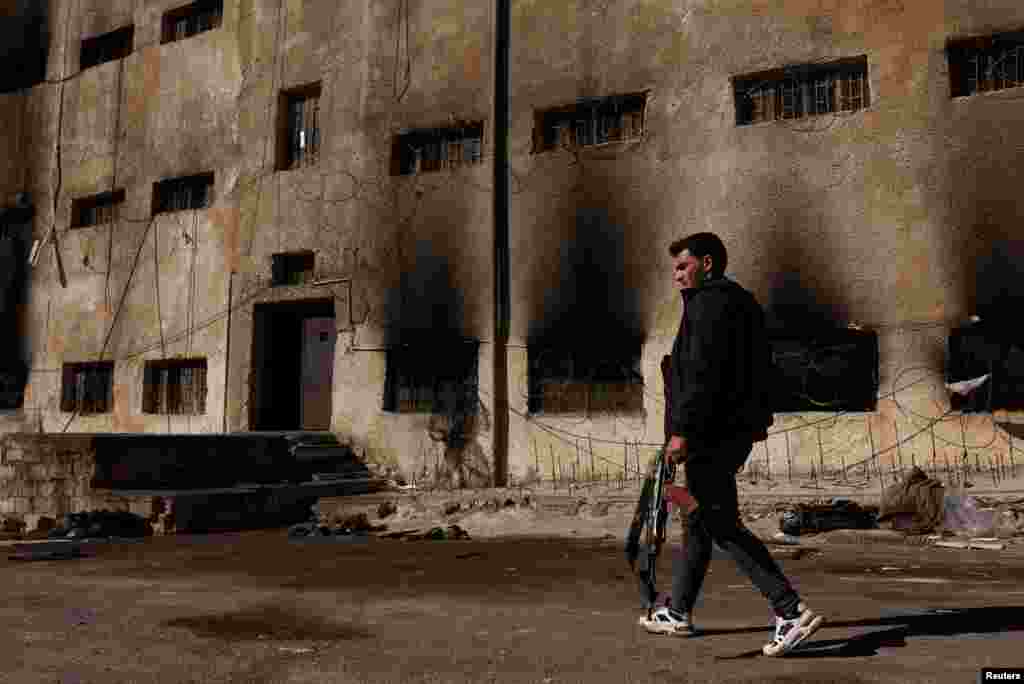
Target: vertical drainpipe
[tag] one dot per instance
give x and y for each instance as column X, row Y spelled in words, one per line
column 502, row 305
column 227, row 353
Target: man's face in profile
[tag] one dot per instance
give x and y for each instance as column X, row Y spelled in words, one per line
column 689, row 271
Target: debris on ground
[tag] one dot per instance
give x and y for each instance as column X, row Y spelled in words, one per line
column 357, row 524
column 961, row 514
column 592, row 508
column 434, row 533
column 440, row 533
column 918, row 496
column 101, row 524
column 48, row 550
column 386, row 509
column 836, row 515
column 987, row 544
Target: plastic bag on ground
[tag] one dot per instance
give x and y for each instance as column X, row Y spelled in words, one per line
column 961, row 515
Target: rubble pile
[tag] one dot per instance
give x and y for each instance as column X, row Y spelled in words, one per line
column 838, row 514
column 358, row 524
column 100, row 525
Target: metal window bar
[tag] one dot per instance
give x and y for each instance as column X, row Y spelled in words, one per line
column 851, row 92
column 975, row 76
column 455, row 153
column 180, row 29
column 584, row 132
column 1004, row 67
column 563, row 134
column 762, row 104
column 790, row 94
column 188, row 193
column 105, row 212
column 472, row 150
column 161, row 388
column 1011, row 67
column 208, row 19
column 305, row 130
column 632, row 125
column 824, row 89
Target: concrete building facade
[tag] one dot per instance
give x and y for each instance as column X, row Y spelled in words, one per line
column 294, row 120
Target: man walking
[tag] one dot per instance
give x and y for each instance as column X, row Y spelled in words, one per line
column 720, row 361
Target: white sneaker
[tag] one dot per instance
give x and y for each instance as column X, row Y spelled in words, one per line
column 665, row 620
column 790, row 633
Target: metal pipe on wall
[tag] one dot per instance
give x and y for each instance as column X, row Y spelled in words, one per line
column 502, row 304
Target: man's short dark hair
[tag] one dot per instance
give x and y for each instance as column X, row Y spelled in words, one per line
column 700, row 245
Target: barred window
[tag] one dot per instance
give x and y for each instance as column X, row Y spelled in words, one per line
column 175, row 386
column 977, row 65
column 800, row 91
column 191, row 20
column 107, row 47
column 96, row 210
column 585, row 379
column 293, row 268
column 432, row 376
column 179, row 194
column 87, row 387
column 437, row 149
column 593, row 121
column 300, row 142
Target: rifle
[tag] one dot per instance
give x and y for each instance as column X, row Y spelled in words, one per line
column 655, row 517
column 650, row 519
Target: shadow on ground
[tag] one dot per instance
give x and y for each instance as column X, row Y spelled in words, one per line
column 933, row 622
column 267, row 622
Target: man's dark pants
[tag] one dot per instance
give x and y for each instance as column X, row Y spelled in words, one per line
column 711, row 478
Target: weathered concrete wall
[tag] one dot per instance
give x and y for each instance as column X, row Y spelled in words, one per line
column 900, row 217
column 49, row 475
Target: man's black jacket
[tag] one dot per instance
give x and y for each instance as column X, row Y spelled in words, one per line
column 721, row 364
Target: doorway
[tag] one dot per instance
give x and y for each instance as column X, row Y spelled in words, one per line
column 293, row 365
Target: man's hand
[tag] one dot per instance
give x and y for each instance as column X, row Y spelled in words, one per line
column 677, row 449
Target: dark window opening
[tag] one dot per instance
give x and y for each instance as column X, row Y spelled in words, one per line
column 586, row 379
column 833, row 370
column 191, row 20
column 433, row 376
column 300, row 128
column 96, row 209
column 175, row 386
column 293, row 268
column 800, row 91
column 978, row 65
column 87, row 387
column 981, row 349
column 179, row 194
column 436, row 149
column 108, row 47
column 593, row 121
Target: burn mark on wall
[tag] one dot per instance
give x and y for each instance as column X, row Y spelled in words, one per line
column 590, row 292
column 24, row 44
column 15, row 236
column 425, row 300
column 985, row 252
column 428, row 330
column 803, row 291
column 585, row 325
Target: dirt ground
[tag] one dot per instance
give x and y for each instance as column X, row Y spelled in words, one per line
column 501, row 607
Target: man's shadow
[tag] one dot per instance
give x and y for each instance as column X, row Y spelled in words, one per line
column 934, row 622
